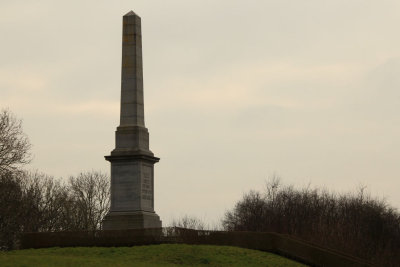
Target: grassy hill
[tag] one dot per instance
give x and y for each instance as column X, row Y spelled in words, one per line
column 154, row 255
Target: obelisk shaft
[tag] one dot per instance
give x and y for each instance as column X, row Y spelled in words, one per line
column 132, row 137
column 132, row 104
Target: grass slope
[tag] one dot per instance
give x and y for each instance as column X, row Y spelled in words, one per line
column 154, row 255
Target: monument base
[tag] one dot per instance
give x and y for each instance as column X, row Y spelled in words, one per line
column 131, row 220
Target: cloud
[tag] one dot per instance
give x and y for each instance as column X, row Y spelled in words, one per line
column 233, row 90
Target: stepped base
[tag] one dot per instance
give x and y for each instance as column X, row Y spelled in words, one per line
column 131, row 220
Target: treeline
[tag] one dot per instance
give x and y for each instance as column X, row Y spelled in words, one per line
column 356, row 224
column 34, row 202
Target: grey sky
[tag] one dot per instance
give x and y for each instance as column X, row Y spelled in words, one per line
column 234, row 92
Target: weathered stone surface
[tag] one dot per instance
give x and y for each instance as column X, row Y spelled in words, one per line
column 132, row 162
column 131, row 220
column 132, row 103
column 131, row 138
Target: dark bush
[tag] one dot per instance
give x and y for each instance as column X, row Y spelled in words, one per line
column 11, row 201
column 35, row 202
column 353, row 223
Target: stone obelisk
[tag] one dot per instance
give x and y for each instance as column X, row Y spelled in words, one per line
column 132, row 163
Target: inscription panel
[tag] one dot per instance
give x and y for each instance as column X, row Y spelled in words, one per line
column 147, row 187
column 125, row 186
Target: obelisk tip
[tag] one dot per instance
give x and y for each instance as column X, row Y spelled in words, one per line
column 130, row 13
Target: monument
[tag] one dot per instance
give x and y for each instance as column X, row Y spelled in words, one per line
column 132, row 163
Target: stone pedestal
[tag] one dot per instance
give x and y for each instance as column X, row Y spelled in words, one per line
column 132, row 192
column 131, row 220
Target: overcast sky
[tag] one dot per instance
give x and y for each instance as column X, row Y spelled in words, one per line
column 235, row 91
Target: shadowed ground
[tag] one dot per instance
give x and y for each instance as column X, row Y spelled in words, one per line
column 153, row 255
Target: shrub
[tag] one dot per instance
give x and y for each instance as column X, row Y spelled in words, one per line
column 356, row 223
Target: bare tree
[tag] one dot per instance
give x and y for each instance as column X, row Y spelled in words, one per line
column 189, row 222
column 91, row 196
column 46, row 198
column 354, row 223
column 14, row 144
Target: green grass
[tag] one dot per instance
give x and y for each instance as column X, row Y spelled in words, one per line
column 154, row 255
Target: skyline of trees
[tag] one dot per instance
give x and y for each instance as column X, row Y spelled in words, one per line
column 36, row 202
